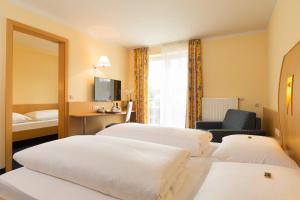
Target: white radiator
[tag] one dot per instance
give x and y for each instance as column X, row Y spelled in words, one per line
column 214, row 109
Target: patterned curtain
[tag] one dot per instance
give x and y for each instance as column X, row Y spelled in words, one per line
column 141, row 84
column 195, row 90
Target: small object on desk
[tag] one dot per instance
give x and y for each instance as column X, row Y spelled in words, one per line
column 128, row 114
column 115, row 108
column 249, row 137
column 268, row 175
column 101, row 110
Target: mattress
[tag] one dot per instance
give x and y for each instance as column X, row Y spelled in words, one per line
column 41, row 186
column 34, row 125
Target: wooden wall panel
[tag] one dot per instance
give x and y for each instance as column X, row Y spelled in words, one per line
column 289, row 113
column 271, row 123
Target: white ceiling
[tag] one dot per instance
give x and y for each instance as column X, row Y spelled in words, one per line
column 148, row 22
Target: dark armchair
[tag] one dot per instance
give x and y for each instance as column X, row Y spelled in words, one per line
column 235, row 122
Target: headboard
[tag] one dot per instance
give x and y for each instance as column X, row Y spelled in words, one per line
column 289, row 102
column 25, row 108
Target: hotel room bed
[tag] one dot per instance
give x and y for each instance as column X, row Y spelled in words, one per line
column 38, row 179
column 208, row 178
column 41, row 186
column 34, row 120
column 34, row 125
column 45, row 187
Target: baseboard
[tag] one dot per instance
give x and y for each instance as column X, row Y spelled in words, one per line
column 2, row 171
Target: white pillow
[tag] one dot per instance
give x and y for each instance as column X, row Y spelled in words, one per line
column 197, row 142
column 43, row 115
column 253, row 149
column 19, row 118
column 241, row 181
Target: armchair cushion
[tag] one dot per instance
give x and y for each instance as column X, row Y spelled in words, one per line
column 238, row 120
column 208, row 125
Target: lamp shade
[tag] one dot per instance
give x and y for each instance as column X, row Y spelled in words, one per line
column 103, row 61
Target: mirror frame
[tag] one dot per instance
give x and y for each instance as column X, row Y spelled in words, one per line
column 63, row 43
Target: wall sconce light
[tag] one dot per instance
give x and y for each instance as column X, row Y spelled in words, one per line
column 289, row 94
column 103, row 61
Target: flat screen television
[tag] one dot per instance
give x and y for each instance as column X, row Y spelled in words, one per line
column 107, row 89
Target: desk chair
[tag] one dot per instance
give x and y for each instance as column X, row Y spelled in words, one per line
column 128, row 115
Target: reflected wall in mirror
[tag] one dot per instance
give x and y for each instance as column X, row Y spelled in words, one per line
column 35, row 70
column 36, row 88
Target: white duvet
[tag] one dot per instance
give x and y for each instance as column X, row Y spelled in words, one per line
column 194, row 140
column 122, row 168
column 243, row 181
column 9, row 192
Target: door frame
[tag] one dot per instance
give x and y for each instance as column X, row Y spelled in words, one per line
column 63, row 49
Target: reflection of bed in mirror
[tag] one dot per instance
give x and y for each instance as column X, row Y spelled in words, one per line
column 42, row 121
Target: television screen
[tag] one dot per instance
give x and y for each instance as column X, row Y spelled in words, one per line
column 107, row 89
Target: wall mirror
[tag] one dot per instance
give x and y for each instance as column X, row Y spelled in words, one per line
column 36, row 93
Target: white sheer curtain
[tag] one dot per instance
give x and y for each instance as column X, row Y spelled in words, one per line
column 171, row 72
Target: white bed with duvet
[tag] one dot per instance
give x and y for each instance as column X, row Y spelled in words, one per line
column 149, row 166
column 34, row 124
column 35, row 120
column 30, row 125
column 45, row 187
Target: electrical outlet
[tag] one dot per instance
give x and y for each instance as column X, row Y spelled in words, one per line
column 277, row 132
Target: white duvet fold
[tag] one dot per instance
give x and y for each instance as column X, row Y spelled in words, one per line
column 123, row 168
column 9, row 192
column 194, row 140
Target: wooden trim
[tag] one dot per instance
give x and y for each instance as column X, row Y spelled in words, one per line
column 23, row 28
column 95, row 114
column 8, row 95
column 34, row 133
column 63, row 81
column 25, row 108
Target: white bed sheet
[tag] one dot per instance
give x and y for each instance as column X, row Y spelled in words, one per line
column 34, row 125
column 41, row 186
column 245, row 181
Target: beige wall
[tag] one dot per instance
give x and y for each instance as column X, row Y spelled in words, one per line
column 235, row 66
column 35, row 75
column 283, row 34
column 84, row 52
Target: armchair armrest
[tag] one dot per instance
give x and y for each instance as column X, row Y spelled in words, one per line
column 208, row 125
column 218, row 134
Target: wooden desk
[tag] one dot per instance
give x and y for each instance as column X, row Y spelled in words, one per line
column 84, row 117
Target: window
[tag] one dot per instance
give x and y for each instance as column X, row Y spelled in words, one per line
column 167, row 83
